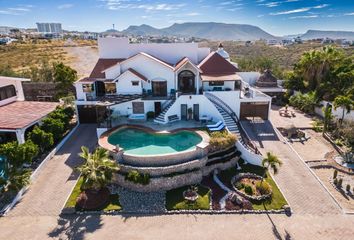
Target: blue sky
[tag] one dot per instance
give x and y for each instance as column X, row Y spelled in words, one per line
column 278, row 17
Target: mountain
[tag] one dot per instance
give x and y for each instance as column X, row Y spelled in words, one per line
column 208, row 30
column 314, row 34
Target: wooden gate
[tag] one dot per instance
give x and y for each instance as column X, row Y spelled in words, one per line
column 254, row 109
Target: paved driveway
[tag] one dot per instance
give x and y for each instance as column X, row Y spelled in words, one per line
column 47, row 194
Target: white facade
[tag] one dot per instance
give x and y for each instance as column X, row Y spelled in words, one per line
column 17, row 83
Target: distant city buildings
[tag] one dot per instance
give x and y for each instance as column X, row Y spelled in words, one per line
column 49, row 28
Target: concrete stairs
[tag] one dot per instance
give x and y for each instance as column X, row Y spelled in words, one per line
column 161, row 117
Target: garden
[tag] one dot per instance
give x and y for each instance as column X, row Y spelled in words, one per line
column 23, row 159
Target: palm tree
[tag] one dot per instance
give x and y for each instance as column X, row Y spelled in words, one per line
column 328, row 117
column 271, row 162
column 344, row 102
column 98, row 170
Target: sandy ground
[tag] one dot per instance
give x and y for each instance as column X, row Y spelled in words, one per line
column 82, row 59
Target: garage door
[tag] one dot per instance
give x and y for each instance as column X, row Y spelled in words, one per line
column 254, row 109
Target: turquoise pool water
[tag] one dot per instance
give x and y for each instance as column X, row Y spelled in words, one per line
column 138, row 142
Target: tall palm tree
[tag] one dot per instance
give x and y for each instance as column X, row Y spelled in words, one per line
column 272, row 162
column 344, row 102
column 328, row 117
column 98, row 170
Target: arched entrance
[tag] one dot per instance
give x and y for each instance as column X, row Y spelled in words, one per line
column 186, row 82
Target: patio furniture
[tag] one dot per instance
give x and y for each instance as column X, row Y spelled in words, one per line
column 205, row 118
column 221, row 127
column 137, row 117
column 173, row 118
column 215, row 125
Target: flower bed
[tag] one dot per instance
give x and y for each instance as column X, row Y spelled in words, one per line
column 251, row 186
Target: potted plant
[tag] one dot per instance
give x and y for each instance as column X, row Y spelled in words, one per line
column 190, row 113
column 97, row 171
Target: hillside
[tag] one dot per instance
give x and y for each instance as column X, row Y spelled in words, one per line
column 209, row 30
column 314, row 34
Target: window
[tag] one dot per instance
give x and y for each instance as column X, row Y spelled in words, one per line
column 111, row 88
column 87, row 88
column 7, row 92
column 216, row 83
column 135, row 83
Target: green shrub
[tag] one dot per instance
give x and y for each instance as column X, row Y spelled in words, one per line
column 43, row 139
column 138, row 178
column 263, row 188
column 348, row 188
column 63, row 114
column 304, row 102
column 150, row 115
column 335, row 181
column 248, row 190
column 19, row 154
column 54, row 126
column 335, row 173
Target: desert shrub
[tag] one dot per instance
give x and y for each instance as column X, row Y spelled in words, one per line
column 304, row 102
column 239, row 185
column 263, row 188
column 347, row 188
column 43, row 139
column 248, row 190
column 150, row 115
column 335, row 173
column 346, row 130
column 340, row 183
column 335, row 181
column 138, row 178
column 221, row 140
column 54, row 126
column 19, row 154
column 317, row 125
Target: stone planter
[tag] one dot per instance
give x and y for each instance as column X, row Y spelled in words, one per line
column 238, row 177
column 190, row 195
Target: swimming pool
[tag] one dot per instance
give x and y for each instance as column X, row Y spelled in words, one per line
column 136, row 141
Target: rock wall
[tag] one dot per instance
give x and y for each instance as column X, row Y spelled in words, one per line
column 41, row 91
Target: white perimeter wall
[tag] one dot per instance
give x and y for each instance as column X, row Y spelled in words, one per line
column 231, row 98
column 249, row 77
column 205, row 107
column 170, row 52
column 337, row 113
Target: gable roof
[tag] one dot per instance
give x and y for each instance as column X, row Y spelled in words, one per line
column 183, row 62
column 151, row 57
column 216, row 64
column 103, row 64
column 139, row 75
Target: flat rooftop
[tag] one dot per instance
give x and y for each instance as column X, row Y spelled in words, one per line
column 20, row 114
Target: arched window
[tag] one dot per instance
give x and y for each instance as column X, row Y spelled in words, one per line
column 7, row 92
column 186, row 81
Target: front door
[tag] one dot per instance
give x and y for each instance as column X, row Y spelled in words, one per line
column 183, row 111
column 100, row 88
column 159, row 89
column 196, row 112
column 157, row 108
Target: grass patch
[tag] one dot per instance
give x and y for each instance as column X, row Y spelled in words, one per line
column 275, row 203
column 114, row 204
column 176, row 201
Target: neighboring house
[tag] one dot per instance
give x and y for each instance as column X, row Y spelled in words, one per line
column 167, row 79
column 18, row 116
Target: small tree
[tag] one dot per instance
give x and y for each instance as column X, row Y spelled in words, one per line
column 335, row 173
column 19, row 154
column 272, row 162
column 328, row 117
column 348, row 187
column 65, row 76
column 344, row 102
column 43, row 139
column 54, row 126
column 98, row 169
column 340, row 182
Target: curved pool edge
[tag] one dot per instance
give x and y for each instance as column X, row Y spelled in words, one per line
column 199, row 151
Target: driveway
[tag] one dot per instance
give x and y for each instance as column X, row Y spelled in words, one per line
column 47, row 194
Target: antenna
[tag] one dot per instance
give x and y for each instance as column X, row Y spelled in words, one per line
column 113, row 26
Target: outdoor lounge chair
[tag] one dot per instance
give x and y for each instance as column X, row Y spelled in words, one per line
column 221, row 127
column 214, row 125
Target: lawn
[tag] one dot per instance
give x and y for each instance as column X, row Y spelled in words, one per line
column 175, row 200
column 114, row 204
column 276, row 202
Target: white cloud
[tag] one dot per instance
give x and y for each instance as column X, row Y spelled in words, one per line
column 137, row 4
column 299, row 10
column 349, row 14
column 193, row 14
column 65, row 6
column 305, row 16
column 18, row 10
column 321, row 6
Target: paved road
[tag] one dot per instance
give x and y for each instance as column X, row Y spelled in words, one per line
column 36, row 217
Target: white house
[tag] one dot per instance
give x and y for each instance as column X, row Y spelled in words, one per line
column 17, row 116
column 140, row 78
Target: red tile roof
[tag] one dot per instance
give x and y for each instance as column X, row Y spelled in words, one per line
column 216, row 64
column 139, row 75
column 18, row 115
column 103, row 64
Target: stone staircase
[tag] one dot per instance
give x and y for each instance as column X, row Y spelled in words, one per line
column 161, row 117
column 230, row 119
